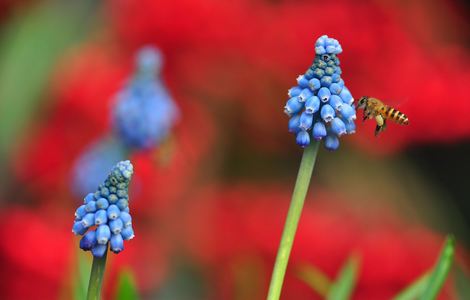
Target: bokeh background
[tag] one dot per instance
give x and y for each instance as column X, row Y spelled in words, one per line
column 209, row 203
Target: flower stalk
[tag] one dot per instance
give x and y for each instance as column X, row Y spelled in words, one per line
column 96, row 277
column 295, row 210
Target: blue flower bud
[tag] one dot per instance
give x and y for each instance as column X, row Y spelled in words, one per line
column 104, row 191
column 102, row 203
column 80, row 212
column 306, row 120
column 320, row 50
column 326, row 81
column 319, row 73
column 305, row 94
column 88, row 220
column 126, row 219
column 303, row 139
column 335, row 77
column 127, row 233
column 127, row 210
column 116, row 243
column 294, row 91
column 319, row 131
column 327, row 113
column 113, row 212
column 149, row 61
column 350, row 127
column 314, row 84
column 293, row 106
column 312, row 105
column 122, row 203
column 88, row 241
column 89, row 197
column 78, row 228
column 116, row 225
column 346, row 96
column 335, row 89
column 302, row 81
column 121, row 193
column 335, row 102
column 90, row 206
column 309, row 74
column 348, row 112
column 103, row 234
column 338, row 127
column 324, row 94
column 99, row 250
column 322, row 65
column 101, row 217
column 112, row 198
column 294, row 123
column 329, row 71
column 331, row 142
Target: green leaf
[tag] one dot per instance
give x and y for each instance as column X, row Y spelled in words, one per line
column 440, row 270
column 415, row 289
column 314, row 278
column 81, row 280
column 126, row 287
column 344, row 285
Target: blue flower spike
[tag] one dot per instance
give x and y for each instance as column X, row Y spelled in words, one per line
column 104, row 223
column 320, row 106
column 144, row 112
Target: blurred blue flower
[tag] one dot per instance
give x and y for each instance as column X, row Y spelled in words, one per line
column 144, row 112
column 92, row 166
column 99, row 220
column 320, row 105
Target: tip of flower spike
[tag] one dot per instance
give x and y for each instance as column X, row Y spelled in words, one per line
column 121, row 173
column 325, row 44
column 149, row 59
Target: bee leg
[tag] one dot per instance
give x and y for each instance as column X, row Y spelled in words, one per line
column 380, row 124
column 365, row 116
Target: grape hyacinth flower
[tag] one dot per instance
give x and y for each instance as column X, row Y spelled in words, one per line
column 320, row 106
column 144, row 112
column 91, row 167
column 103, row 219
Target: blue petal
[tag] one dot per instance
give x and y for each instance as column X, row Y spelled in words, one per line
column 88, row 220
column 335, row 102
column 88, row 241
column 302, row 81
column 326, row 81
column 113, row 212
column 346, row 96
column 99, row 250
column 338, row 127
column 335, row 88
column 303, row 138
column 127, row 233
column 116, row 243
column 331, row 142
column 101, row 217
column 314, row 84
column 78, row 228
column 324, row 94
column 294, row 123
column 116, row 226
column 293, row 106
column 305, row 94
column 327, row 113
column 102, row 203
column 103, row 233
column 294, row 91
column 319, row 131
column 312, row 105
column 306, row 120
column 348, row 112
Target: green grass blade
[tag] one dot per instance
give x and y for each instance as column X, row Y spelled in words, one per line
column 343, row 287
column 314, row 278
column 127, row 289
column 440, row 270
column 462, row 284
column 415, row 289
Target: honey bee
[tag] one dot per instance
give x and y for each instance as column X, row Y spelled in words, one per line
column 374, row 108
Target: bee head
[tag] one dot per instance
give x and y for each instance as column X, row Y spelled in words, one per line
column 362, row 102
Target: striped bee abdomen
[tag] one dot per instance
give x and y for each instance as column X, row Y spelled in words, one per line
column 396, row 116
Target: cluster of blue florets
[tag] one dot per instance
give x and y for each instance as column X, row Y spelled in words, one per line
column 320, row 106
column 104, row 217
column 144, row 112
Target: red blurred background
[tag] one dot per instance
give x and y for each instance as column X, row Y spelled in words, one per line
column 209, row 215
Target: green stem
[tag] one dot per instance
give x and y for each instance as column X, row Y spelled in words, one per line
column 96, row 277
column 292, row 220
